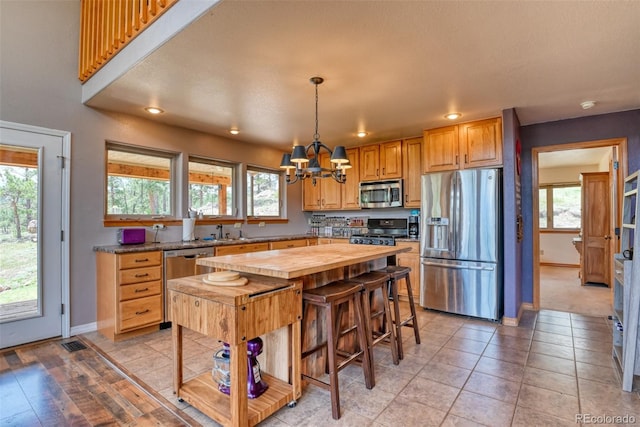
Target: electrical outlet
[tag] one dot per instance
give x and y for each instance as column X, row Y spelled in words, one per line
column 261, row 224
column 237, row 225
column 159, row 226
column 541, row 251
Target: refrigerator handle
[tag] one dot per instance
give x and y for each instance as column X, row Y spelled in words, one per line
column 459, row 267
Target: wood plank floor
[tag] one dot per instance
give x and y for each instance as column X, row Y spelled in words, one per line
column 44, row 384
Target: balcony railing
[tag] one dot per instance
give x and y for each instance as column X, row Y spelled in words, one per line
column 106, row 26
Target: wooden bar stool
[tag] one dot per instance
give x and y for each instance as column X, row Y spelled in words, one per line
column 372, row 282
column 397, row 273
column 335, row 299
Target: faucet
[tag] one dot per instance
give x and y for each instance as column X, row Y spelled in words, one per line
column 219, row 228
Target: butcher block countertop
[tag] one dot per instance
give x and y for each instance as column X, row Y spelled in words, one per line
column 297, row 262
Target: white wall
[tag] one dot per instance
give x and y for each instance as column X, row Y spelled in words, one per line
column 39, row 86
column 557, row 248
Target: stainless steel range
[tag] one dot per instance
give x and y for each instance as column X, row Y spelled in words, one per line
column 381, row 231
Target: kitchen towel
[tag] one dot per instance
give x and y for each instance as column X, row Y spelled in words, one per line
column 188, row 229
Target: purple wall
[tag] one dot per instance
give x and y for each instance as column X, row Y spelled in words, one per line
column 512, row 208
column 606, row 126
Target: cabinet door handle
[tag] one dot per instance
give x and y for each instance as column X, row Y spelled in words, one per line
column 138, row 313
column 465, row 159
column 142, row 260
column 457, row 159
column 383, row 171
column 141, row 290
column 377, row 172
column 142, row 275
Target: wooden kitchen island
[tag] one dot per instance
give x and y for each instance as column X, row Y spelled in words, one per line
column 270, row 306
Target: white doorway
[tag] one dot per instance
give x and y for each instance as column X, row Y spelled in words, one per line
column 34, row 250
column 563, row 157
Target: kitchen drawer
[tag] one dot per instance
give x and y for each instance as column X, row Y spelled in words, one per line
column 240, row 249
column 413, row 245
column 139, row 312
column 139, row 259
column 285, row 244
column 139, row 290
column 137, row 275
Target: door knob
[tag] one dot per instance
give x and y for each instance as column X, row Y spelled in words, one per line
column 607, row 237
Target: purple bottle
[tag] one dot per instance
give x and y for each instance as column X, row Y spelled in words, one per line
column 255, row 385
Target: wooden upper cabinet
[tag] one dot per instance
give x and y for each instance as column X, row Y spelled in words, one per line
column 351, row 188
column 440, row 149
column 481, row 143
column 369, row 162
column 391, row 160
column 381, row 161
column 412, row 171
column 311, row 195
column 468, row 145
column 326, row 194
column 330, row 189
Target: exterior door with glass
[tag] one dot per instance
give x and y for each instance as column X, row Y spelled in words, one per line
column 32, row 195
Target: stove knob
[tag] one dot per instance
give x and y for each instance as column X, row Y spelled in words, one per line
column 368, row 241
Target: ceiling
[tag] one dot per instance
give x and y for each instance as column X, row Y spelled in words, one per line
column 576, row 157
column 392, row 68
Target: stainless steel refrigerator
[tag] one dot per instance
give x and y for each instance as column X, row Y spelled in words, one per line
column 461, row 242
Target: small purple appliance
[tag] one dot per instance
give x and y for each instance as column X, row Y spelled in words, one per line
column 221, row 374
column 131, row 236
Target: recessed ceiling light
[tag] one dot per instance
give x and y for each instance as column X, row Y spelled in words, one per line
column 234, row 131
column 362, row 134
column 587, row 104
column 154, row 110
column 452, row 116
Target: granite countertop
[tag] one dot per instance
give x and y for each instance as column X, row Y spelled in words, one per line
column 169, row 246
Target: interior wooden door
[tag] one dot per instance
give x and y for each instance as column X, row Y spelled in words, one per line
column 596, row 228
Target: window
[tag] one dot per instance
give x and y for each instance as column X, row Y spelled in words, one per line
column 560, row 207
column 264, row 195
column 139, row 182
column 211, row 187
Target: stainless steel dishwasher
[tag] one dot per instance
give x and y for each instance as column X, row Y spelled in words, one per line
column 182, row 263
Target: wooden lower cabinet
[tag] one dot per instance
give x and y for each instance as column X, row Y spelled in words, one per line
column 410, row 259
column 129, row 293
column 241, row 249
column 285, row 244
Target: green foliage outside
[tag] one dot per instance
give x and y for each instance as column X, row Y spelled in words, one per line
column 138, row 196
column 18, row 269
column 18, row 227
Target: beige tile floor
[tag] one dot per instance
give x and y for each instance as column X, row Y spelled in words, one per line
column 467, row 372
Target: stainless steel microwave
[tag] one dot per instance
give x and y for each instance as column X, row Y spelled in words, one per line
column 381, row 194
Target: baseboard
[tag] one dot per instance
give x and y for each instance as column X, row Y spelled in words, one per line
column 553, row 264
column 83, row 329
column 515, row 321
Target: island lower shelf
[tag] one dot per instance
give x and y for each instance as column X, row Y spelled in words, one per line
column 202, row 392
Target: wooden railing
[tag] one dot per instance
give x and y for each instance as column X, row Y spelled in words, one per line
column 108, row 25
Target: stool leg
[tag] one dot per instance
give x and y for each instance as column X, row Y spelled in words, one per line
column 332, row 340
column 393, row 286
column 412, row 307
column 363, row 334
column 392, row 332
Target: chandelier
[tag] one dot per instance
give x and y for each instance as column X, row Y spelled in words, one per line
column 305, row 166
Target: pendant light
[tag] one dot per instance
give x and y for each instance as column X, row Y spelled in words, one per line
column 306, row 165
